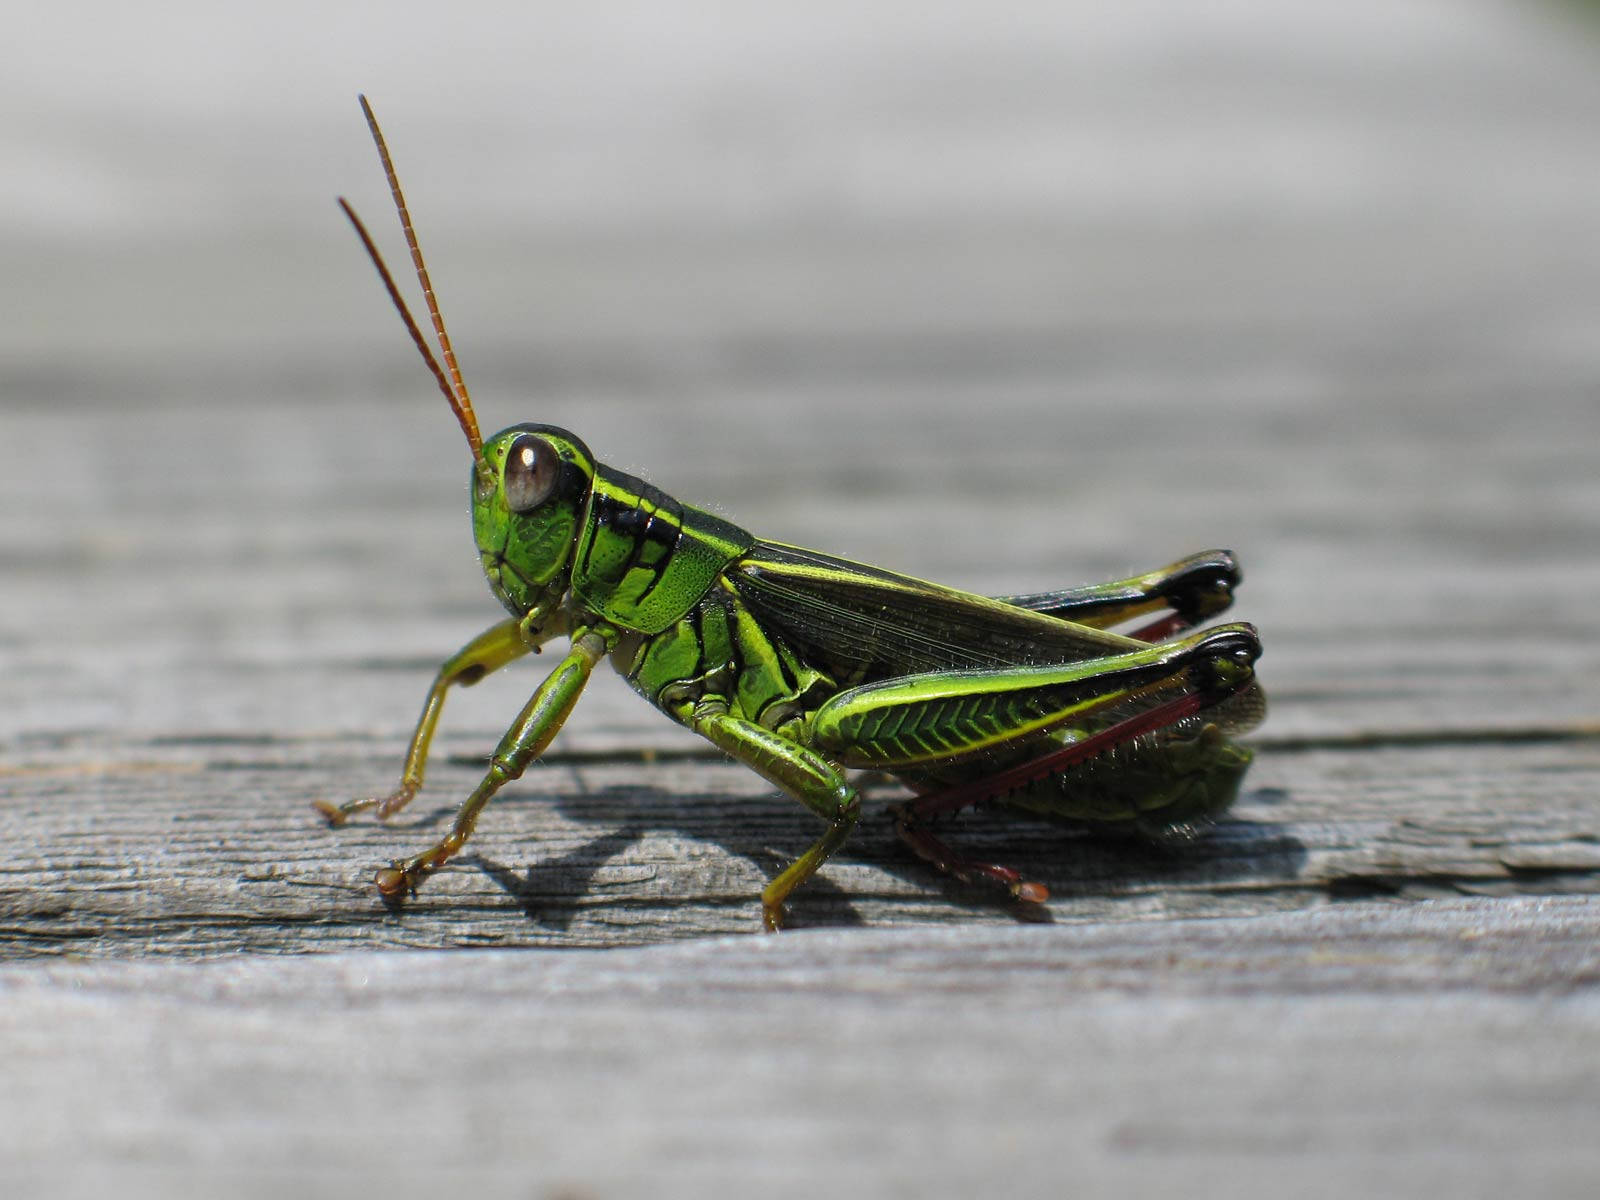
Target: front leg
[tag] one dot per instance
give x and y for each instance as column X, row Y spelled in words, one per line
column 535, row 728
column 483, row 655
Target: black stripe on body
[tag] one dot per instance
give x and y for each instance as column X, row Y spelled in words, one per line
column 644, row 516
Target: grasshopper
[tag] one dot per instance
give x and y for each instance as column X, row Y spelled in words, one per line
column 804, row 666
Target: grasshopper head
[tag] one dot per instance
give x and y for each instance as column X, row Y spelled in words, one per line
column 528, row 498
column 530, row 482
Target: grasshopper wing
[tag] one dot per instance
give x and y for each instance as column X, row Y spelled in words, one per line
column 865, row 623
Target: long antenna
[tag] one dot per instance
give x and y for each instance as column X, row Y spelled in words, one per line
column 455, row 391
column 405, row 312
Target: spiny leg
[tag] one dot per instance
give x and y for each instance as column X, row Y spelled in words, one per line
column 483, row 655
column 527, row 738
column 934, row 851
column 805, row 775
column 909, row 816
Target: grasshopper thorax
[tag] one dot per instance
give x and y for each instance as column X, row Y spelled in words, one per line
column 527, row 509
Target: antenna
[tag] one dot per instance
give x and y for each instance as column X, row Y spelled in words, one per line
column 455, row 391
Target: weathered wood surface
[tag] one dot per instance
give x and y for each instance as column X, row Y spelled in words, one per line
column 1063, row 304
column 1397, row 1050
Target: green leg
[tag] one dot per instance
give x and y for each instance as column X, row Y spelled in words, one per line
column 916, row 721
column 534, row 730
column 483, row 655
column 806, row 776
column 924, row 722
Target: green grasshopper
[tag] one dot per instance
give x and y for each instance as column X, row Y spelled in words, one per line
column 803, row 666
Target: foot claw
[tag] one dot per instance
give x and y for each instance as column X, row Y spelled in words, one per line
column 333, row 814
column 386, row 806
column 1031, row 893
column 392, row 882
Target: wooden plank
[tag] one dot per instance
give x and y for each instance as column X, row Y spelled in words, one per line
column 195, row 848
column 1378, row 1044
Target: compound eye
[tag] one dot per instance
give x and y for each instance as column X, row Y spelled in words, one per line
column 532, row 467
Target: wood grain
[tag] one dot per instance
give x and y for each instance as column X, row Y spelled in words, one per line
column 1449, row 1042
